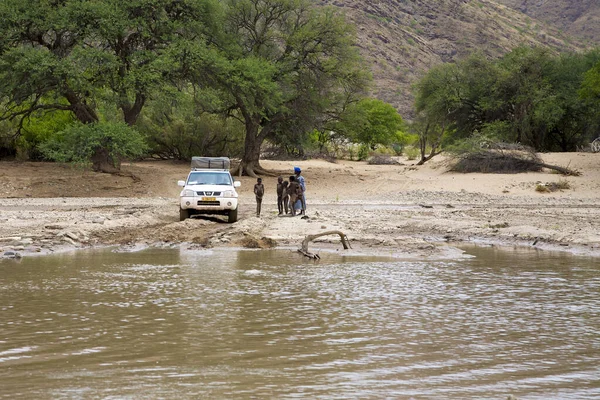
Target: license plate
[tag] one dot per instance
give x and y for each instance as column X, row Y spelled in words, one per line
column 209, row 199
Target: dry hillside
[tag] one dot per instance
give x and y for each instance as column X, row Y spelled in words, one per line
column 579, row 18
column 403, row 39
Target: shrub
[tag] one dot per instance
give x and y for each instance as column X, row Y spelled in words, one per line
column 363, row 152
column 498, row 161
column 411, row 152
column 79, row 143
column 382, row 159
column 553, row 186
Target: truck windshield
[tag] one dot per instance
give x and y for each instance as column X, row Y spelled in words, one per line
column 209, row 178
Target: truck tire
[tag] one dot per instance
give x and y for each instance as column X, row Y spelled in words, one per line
column 232, row 216
column 183, row 214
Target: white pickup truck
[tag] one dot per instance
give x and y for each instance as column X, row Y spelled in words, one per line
column 209, row 189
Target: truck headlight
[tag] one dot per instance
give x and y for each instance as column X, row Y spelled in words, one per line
column 229, row 193
column 188, row 193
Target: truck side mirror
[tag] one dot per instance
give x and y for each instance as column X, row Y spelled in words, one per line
column 237, row 183
column 181, row 183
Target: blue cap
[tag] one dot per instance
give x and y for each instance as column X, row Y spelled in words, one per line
column 297, row 169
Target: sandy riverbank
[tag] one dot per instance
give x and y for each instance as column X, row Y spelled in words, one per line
column 404, row 210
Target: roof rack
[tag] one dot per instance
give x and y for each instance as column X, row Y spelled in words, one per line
column 199, row 163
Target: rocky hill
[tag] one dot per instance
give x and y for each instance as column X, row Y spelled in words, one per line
column 402, row 39
column 579, row 18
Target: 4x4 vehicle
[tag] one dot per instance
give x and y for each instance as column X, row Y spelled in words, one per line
column 209, row 189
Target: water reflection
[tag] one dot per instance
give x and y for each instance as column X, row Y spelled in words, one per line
column 271, row 324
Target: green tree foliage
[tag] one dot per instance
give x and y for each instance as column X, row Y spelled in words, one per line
column 74, row 55
column 283, row 63
column 529, row 96
column 437, row 101
column 590, row 87
column 590, row 94
column 179, row 127
column 38, row 129
column 97, row 142
column 65, row 55
column 371, row 122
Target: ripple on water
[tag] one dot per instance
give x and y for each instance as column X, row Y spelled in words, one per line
column 223, row 324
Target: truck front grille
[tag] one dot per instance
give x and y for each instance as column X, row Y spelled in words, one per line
column 209, row 194
column 208, row 203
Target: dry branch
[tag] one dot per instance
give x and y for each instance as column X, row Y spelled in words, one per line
column 505, row 161
column 310, row 238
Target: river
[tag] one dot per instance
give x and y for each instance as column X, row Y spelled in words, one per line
column 229, row 324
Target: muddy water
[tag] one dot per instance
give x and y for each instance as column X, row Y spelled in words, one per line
column 269, row 324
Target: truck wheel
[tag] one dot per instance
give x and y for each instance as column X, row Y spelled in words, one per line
column 183, row 214
column 232, row 216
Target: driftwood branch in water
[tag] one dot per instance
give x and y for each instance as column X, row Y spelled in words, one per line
column 310, row 238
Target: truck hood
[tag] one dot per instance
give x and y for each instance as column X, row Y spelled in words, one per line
column 209, row 188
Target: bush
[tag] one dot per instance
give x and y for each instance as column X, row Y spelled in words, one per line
column 382, row 159
column 39, row 129
column 79, row 143
column 404, row 139
column 494, row 161
column 553, row 186
column 363, row 152
column 412, row 153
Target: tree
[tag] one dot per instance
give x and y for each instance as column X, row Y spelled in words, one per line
column 569, row 122
column 590, row 87
column 63, row 55
column 95, row 142
column 178, row 127
column 284, row 62
column 68, row 55
column 590, row 94
column 437, row 101
column 529, row 96
column 371, row 122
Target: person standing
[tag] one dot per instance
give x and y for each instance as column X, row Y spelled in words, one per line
column 286, row 197
column 302, row 184
column 259, row 191
column 292, row 190
column 280, row 189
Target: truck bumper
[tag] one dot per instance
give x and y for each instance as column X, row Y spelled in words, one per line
column 218, row 205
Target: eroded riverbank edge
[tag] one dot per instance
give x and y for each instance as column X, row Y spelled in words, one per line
column 407, row 230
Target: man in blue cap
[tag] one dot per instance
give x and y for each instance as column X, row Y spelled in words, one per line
column 300, row 180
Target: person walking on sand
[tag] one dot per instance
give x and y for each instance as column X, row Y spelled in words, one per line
column 280, row 189
column 302, row 183
column 292, row 191
column 259, row 191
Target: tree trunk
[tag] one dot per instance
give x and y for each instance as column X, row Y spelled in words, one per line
column 434, row 145
column 103, row 162
column 132, row 112
column 83, row 112
column 250, row 163
column 251, row 157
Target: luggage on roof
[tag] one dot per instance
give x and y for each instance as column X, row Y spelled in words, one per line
column 210, row 163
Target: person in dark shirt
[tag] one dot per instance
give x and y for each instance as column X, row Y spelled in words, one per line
column 280, row 189
column 286, row 197
column 259, row 191
column 292, row 191
column 301, row 182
